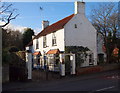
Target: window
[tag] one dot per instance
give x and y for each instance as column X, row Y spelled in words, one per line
column 91, row 59
column 44, row 42
column 54, row 40
column 75, row 25
column 56, row 60
column 37, row 44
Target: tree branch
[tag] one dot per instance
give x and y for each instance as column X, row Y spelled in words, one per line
column 7, row 14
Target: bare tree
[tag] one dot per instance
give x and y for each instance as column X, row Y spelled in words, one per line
column 7, row 13
column 105, row 20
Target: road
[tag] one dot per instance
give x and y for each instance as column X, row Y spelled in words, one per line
column 107, row 81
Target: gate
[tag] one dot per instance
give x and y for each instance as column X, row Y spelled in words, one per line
column 67, row 62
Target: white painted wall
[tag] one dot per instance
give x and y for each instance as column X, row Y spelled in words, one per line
column 34, row 45
column 30, row 48
column 86, row 63
column 59, row 39
column 83, row 35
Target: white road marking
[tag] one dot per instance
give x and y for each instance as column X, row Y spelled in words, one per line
column 105, row 88
column 114, row 77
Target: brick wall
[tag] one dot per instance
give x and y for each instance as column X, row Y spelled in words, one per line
column 95, row 69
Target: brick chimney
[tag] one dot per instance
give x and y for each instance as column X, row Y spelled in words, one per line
column 79, row 7
column 45, row 24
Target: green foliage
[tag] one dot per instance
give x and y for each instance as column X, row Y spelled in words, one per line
column 5, row 56
column 79, row 51
column 18, row 70
column 11, row 42
column 13, row 49
column 75, row 49
column 11, row 38
column 16, row 60
column 67, row 63
column 27, row 36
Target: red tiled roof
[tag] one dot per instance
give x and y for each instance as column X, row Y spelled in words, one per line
column 54, row 27
column 55, row 51
column 36, row 53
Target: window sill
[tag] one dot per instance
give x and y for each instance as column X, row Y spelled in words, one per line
column 54, row 45
column 45, row 46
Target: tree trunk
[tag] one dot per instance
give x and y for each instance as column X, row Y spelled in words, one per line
column 106, row 46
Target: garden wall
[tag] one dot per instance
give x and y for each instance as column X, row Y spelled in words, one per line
column 5, row 74
column 95, row 69
column 39, row 75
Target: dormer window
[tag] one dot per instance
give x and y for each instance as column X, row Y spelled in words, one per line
column 54, row 40
column 44, row 42
column 37, row 44
column 75, row 25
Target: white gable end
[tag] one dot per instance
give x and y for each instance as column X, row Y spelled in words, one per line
column 80, row 32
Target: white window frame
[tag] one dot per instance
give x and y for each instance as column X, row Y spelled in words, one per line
column 37, row 44
column 54, row 43
column 44, row 41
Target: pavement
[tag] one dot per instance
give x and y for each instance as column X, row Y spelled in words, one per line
column 91, row 82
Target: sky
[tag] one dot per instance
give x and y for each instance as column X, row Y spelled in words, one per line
column 31, row 16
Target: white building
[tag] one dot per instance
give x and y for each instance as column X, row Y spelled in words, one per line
column 73, row 30
column 101, row 48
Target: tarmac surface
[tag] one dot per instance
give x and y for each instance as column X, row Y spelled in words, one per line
column 102, row 81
